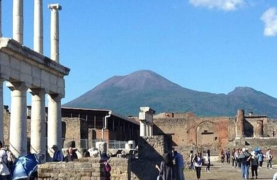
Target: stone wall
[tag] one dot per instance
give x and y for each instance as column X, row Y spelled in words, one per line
column 83, row 169
column 195, row 132
column 151, row 150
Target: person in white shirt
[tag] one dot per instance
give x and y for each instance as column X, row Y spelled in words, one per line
column 4, row 157
column 269, row 158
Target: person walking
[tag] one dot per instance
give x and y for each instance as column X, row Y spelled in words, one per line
column 165, row 168
column 260, row 158
column 254, row 164
column 198, row 164
column 191, row 156
column 180, row 166
column 208, row 155
column 269, row 158
column 245, row 163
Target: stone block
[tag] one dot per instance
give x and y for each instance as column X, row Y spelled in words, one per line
column 26, row 68
column 4, row 59
column 15, row 63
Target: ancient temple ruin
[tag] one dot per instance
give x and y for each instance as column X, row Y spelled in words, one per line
column 26, row 70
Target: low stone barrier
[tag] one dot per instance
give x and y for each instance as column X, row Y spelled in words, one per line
column 83, row 169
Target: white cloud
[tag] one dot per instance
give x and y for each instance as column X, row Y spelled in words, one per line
column 226, row 5
column 269, row 17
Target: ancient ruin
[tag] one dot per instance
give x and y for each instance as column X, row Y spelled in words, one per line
column 25, row 70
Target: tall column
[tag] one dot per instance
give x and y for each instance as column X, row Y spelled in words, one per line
column 142, row 128
column 38, row 26
column 18, row 20
column 0, row 18
column 54, row 134
column 240, row 124
column 18, row 124
column 38, row 128
column 1, row 111
column 55, row 31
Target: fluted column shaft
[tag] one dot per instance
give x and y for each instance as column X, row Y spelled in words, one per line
column 54, row 121
column 18, row 20
column 38, row 26
column 38, row 128
column 142, row 128
column 55, row 31
column 18, row 124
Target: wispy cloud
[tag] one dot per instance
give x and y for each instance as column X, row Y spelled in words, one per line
column 226, row 5
column 269, row 17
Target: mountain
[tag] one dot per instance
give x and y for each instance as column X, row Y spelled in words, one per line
column 126, row 94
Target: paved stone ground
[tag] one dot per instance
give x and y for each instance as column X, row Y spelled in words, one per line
column 227, row 172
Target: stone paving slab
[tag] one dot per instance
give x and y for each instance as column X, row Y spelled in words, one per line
column 227, row 172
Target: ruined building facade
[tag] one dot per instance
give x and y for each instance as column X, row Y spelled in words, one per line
column 216, row 133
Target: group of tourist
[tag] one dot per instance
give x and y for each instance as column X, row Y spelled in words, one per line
column 242, row 158
column 172, row 167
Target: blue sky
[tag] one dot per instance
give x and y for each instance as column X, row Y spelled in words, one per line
column 204, row 45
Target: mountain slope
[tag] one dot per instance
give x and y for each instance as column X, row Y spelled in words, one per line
column 125, row 94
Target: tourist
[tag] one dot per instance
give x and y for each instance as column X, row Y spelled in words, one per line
column 208, row 155
column 254, row 164
column 228, row 154
column 222, row 156
column 191, row 156
column 260, row 158
column 198, row 164
column 4, row 170
column 58, row 154
column 71, row 155
column 104, row 164
column 165, row 168
column 239, row 161
column 236, row 158
column 269, row 158
column 244, row 158
column 179, row 164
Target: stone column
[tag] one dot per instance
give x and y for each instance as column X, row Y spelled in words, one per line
column 18, row 124
column 55, row 31
column 38, row 128
column 38, row 26
column 151, row 130
column 0, row 18
column 54, row 134
column 18, row 20
column 259, row 128
column 142, row 128
column 1, row 110
column 240, row 124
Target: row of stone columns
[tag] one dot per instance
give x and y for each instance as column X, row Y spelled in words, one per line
column 18, row 118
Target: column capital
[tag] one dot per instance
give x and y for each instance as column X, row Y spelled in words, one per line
column 34, row 91
column 16, row 85
column 55, row 6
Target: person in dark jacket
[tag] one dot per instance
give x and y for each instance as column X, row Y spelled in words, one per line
column 71, row 155
column 254, row 164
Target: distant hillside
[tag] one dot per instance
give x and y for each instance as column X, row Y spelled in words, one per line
column 125, row 94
